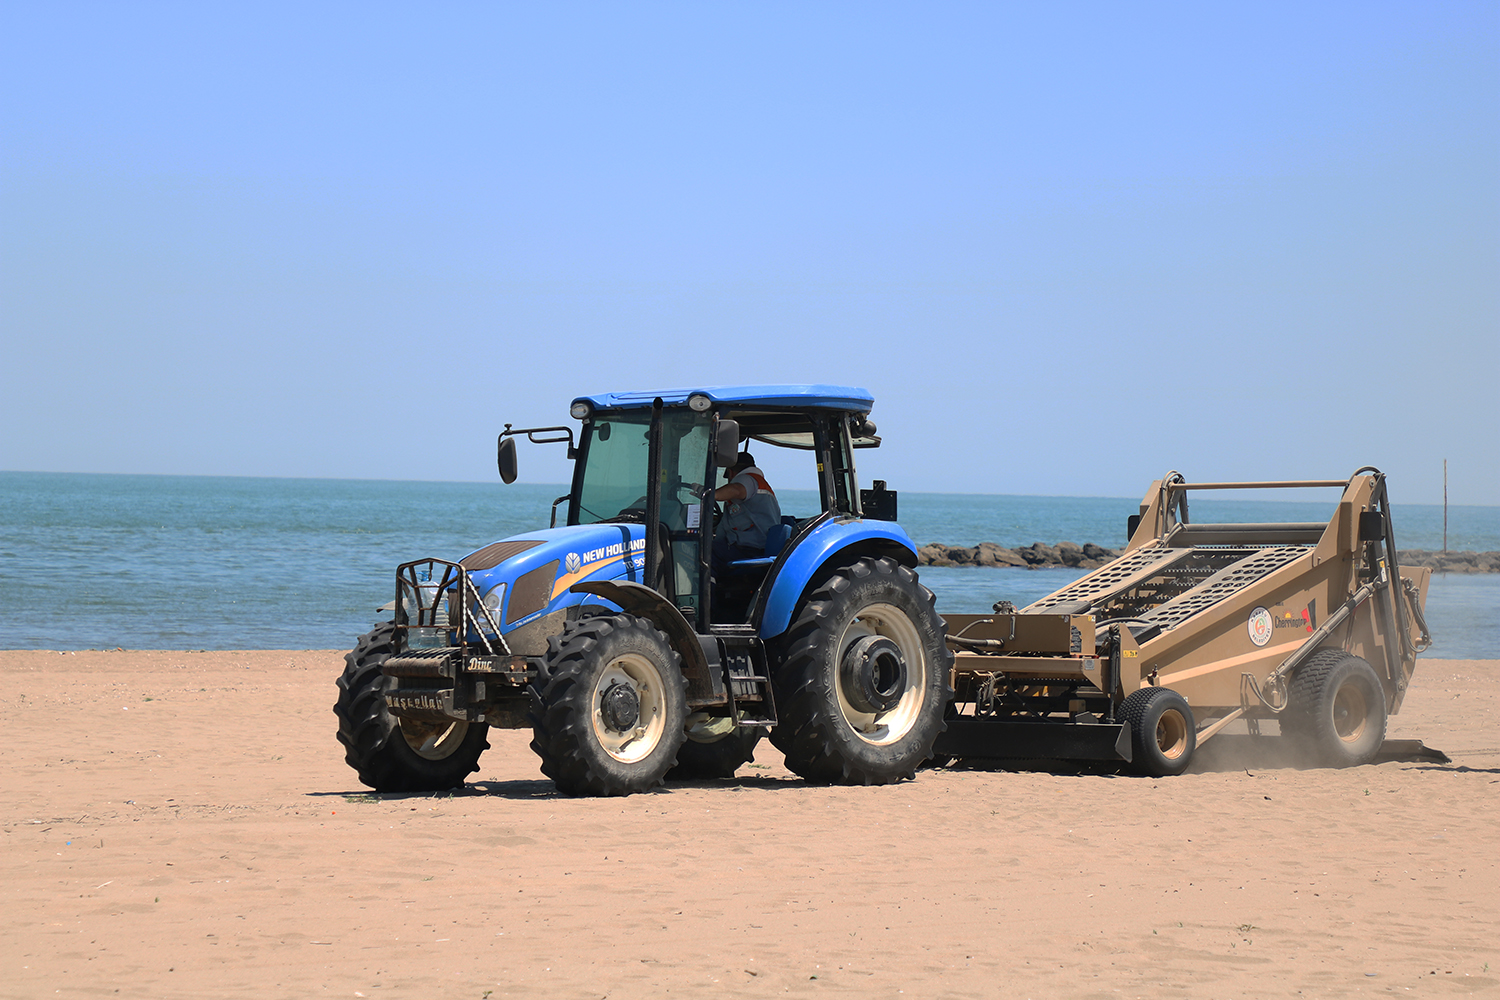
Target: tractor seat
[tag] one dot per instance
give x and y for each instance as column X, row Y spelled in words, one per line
column 776, row 538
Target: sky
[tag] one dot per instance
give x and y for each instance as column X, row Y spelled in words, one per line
column 1067, row 247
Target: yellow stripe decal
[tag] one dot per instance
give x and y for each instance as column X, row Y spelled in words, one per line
column 568, row 579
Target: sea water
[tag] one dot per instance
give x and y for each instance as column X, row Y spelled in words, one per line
column 168, row 562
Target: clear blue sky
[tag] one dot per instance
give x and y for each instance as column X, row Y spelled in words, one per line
column 1067, row 246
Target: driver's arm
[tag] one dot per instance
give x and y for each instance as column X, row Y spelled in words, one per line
column 731, row 491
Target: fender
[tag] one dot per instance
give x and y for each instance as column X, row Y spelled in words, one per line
column 851, row 537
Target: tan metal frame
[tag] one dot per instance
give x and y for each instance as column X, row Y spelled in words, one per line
column 1260, row 598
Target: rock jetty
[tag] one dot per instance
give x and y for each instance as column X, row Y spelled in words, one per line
column 1451, row 562
column 1090, row 556
column 1034, row 556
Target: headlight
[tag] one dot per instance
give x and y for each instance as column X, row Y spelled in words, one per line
column 699, row 403
column 494, row 599
column 580, row 410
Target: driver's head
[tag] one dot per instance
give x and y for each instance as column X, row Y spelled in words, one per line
column 744, row 460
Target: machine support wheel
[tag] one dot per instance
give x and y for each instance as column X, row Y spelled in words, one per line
column 609, row 719
column 863, row 677
column 1163, row 735
column 1337, row 706
column 391, row 754
column 715, row 748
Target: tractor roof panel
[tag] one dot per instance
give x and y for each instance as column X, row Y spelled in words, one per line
column 822, row 397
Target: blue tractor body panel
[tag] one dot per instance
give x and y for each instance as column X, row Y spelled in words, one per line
column 811, row 553
column 574, row 553
column 577, row 553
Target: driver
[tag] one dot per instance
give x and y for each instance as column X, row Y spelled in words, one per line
column 750, row 511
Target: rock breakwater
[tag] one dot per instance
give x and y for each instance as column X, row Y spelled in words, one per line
column 1034, row 556
column 1451, row 562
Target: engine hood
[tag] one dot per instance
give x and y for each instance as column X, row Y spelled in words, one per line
column 538, row 567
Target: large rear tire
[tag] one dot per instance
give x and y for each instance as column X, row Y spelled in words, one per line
column 715, row 748
column 863, row 679
column 1163, row 735
column 398, row 755
column 1336, row 706
column 609, row 720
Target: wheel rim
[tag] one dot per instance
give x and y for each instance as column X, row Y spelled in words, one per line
column 704, row 728
column 628, row 677
column 1171, row 734
column 884, row 727
column 433, row 740
column 1351, row 713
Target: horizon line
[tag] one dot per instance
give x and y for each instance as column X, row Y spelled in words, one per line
column 564, row 486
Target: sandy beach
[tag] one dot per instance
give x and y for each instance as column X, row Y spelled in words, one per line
column 182, row 824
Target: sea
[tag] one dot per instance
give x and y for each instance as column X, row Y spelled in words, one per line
column 199, row 562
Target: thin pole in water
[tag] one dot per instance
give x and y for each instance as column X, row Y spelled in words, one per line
column 1445, row 505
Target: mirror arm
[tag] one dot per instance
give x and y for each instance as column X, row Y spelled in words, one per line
column 536, row 435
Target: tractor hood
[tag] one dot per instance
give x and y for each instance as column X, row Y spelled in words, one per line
column 537, row 567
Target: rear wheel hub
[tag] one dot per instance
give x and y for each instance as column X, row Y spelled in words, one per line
column 873, row 674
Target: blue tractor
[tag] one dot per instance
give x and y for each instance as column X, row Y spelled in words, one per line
column 632, row 656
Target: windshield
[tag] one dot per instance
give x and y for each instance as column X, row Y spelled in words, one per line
column 614, row 474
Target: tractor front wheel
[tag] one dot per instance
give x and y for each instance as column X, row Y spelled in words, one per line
column 863, row 679
column 391, row 754
column 609, row 719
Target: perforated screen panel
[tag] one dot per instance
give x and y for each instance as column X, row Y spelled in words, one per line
column 1227, row 581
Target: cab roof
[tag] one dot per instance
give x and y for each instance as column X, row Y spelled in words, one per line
column 850, row 399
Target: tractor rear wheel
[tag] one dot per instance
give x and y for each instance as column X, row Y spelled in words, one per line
column 609, row 719
column 391, row 754
column 715, row 748
column 863, row 677
column 1336, row 706
column 1163, row 735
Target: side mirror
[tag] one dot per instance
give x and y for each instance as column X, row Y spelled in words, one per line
column 727, row 443
column 506, row 459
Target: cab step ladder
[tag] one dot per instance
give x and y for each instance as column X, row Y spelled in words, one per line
column 746, row 675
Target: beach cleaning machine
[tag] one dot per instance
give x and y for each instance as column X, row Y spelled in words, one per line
column 1314, row 625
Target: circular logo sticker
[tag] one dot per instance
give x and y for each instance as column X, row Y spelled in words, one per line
column 573, row 562
column 1260, row 626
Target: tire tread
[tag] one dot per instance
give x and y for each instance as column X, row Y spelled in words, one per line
column 368, row 731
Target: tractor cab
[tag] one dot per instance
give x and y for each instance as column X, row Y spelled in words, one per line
column 655, row 458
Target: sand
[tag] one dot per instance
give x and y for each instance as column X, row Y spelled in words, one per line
column 183, row 825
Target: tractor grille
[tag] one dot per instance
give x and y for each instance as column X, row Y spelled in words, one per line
column 493, row 555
